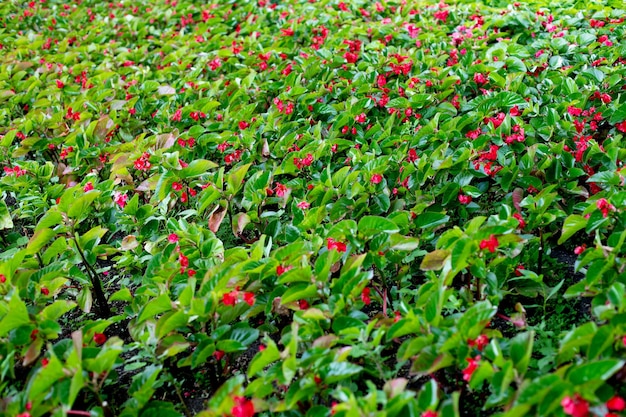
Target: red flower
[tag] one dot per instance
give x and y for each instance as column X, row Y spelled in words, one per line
column 376, row 179
column 576, row 406
column 177, row 116
column 45, row 291
column 574, row 111
column 365, row 296
column 99, row 338
column 282, row 269
column 472, row 365
column 621, row 126
column 479, row 343
column 88, row 187
column 303, row 304
column 518, row 270
column 520, row 219
column 45, row 362
column 580, row 249
column 248, row 297
column 360, row 118
column 243, row 125
column 60, row 84
column 616, row 404
column 3, row 279
column 218, row 354
column 490, row 244
column 429, row 413
column 280, row 190
column 243, row 408
column 480, row 78
column 350, row 57
column 465, row 199
column 230, row 298
column 172, row 238
column 412, row 157
column 604, row 206
column 333, row 244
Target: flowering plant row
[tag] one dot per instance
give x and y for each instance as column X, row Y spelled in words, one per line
column 312, row 208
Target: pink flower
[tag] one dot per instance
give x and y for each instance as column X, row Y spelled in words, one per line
column 120, row 199
column 472, row 365
column 88, row 187
column 490, row 244
column 376, row 179
column 304, row 205
column 429, row 413
column 172, row 238
column 580, row 249
column 575, row 406
column 360, row 118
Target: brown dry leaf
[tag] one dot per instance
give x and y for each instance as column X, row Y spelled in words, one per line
column 129, row 242
column 103, row 126
column 216, row 219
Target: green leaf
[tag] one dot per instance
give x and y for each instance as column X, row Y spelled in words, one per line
column 17, row 316
column 431, row 219
column 235, row 179
column 572, row 224
column 434, row 261
column 298, row 292
column 619, row 115
column 6, row 222
column 39, row 240
column 55, row 310
column 338, row 371
column 263, row 358
column 156, row 306
column 197, row 167
column 521, row 351
column 599, row 370
column 371, row 225
column 80, row 206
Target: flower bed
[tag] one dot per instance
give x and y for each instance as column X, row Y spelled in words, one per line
column 312, row 208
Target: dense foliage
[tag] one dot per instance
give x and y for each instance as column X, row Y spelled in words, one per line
column 312, row 208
